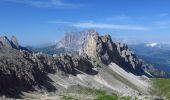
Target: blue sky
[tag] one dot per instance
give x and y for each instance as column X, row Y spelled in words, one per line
column 43, row 21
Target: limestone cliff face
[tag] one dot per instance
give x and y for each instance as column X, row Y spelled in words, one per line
column 11, row 43
column 104, row 49
column 75, row 40
column 91, row 46
column 5, row 41
column 14, row 42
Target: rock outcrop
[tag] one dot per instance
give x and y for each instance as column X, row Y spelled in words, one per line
column 13, row 43
column 131, row 62
column 28, row 71
column 5, row 42
column 104, row 49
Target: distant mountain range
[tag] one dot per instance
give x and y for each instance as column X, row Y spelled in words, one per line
column 157, row 54
column 163, row 46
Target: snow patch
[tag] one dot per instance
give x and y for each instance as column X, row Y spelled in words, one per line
column 152, row 45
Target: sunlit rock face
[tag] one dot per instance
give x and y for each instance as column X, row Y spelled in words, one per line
column 14, row 42
column 11, row 43
column 104, row 49
column 75, row 40
column 5, row 42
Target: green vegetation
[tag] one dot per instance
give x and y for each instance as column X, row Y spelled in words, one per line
column 91, row 91
column 126, row 98
column 68, row 98
column 94, row 94
column 107, row 97
column 162, row 86
column 113, row 97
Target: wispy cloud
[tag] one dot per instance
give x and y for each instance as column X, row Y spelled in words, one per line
column 91, row 24
column 46, row 3
column 119, row 18
column 163, row 15
column 109, row 26
column 163, row 24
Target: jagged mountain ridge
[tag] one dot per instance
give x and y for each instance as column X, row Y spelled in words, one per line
column 11, row 43
column 100, row 65
column 74, row 41
column 28, row 72
column 104, row 49
column 157, row 56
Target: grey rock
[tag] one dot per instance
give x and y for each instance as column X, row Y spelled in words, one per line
column 104, row 49
column 5, row 41
column 157, row 98
column 75, row 40
column 28, row 72
column 72, row 42
column 14, row 42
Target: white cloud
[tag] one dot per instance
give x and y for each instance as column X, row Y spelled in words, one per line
column 162, row 24
column 109, row 26
column 46, row 3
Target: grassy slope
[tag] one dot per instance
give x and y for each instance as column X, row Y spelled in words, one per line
column 96, row 93
column 162, row 85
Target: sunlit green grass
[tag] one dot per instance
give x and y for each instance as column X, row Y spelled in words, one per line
column 107, row 97
column 162, row 85
column 91, row 91
column 114, row 97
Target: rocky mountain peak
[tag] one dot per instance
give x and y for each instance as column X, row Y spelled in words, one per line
column 106, row 38
column 101, row 47
column 14, row 42
column 75, row 40
column 11, row 44
column 105, row 50
column 5, row 41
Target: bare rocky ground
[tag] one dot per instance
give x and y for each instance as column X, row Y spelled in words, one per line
column 71, row 86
